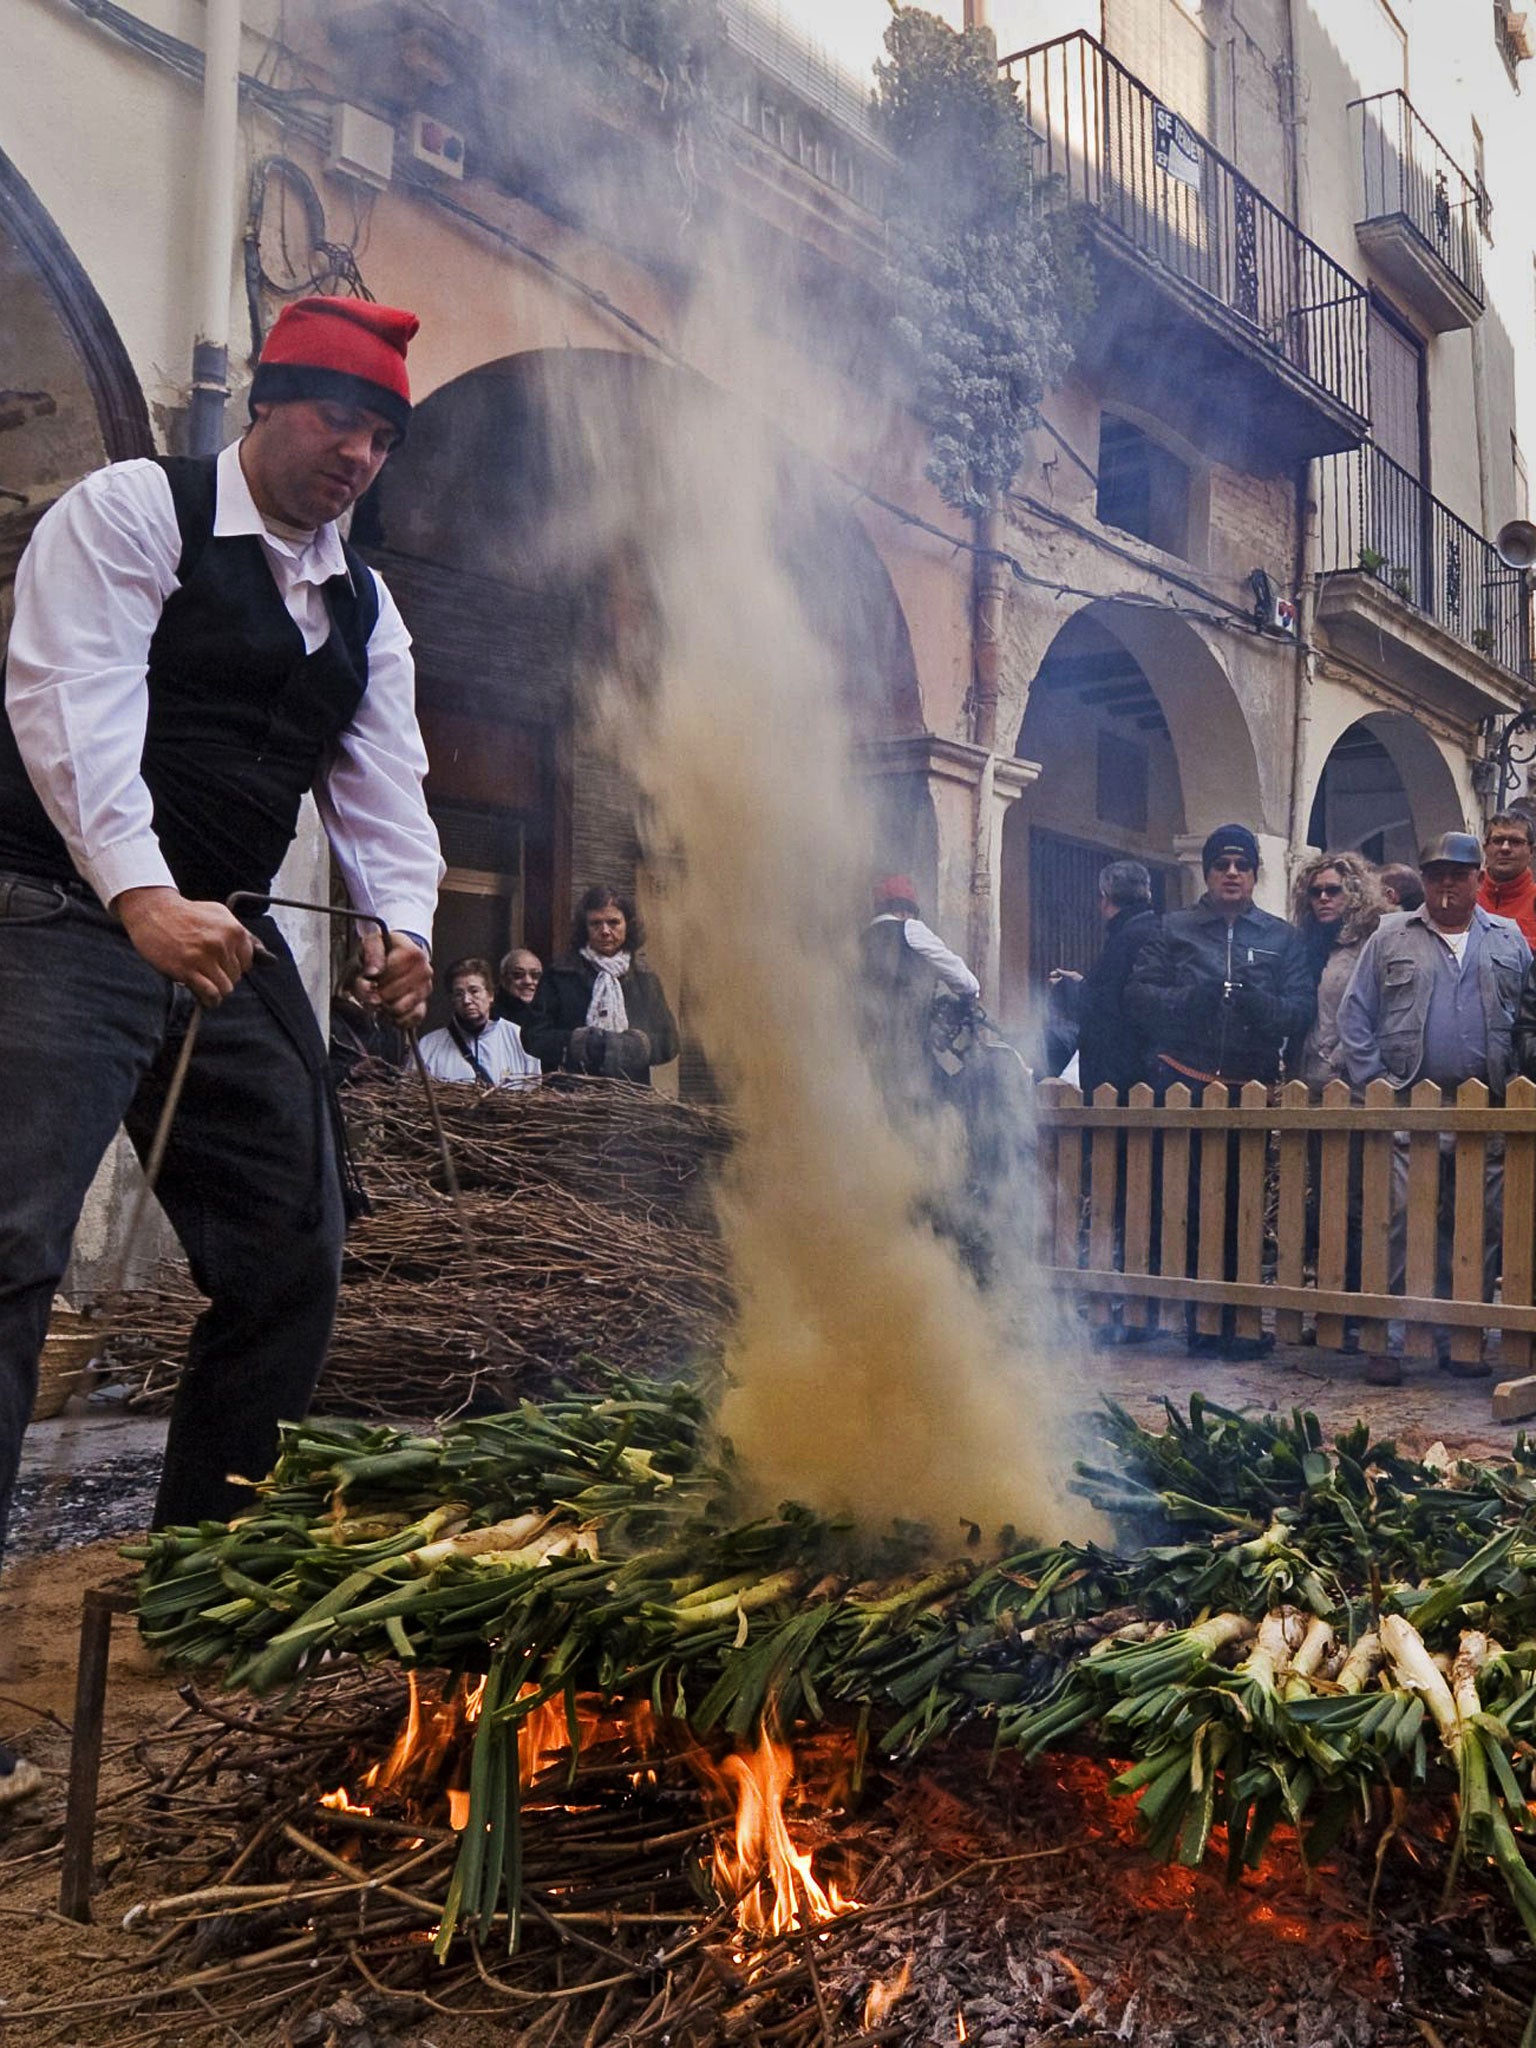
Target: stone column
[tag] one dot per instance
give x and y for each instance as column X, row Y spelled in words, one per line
column 971, row 790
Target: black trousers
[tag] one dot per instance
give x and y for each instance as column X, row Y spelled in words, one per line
column 89, row 1033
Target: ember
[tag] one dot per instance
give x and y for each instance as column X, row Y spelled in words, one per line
column 990, row 1893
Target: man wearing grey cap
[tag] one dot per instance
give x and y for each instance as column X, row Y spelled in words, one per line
column 1434, row 999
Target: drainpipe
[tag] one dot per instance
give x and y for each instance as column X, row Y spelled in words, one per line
column 1306, row 617
column 1308, row 486
column 990, row 600
column 975, row 18
column 216, row 178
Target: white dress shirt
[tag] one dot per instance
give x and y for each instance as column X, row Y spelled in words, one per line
column 89, row 592
column 503, row 1059
column 927, row 944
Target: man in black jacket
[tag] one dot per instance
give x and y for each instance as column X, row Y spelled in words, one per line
column 1221, row 988
column 1110, row 1044
column 1219, row 991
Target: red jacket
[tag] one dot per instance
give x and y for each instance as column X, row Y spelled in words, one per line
column 1516, row 899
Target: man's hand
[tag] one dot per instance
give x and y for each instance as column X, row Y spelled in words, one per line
column 202, row 945
column 402, row 975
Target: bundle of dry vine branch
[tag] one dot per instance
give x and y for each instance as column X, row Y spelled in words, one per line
column 994, row 1903
column 595, row 1240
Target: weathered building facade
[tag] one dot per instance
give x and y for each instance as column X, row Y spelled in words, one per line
column 1294, row 430
column 1252, row 574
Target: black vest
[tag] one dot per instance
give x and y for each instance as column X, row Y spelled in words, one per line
column 241, row 720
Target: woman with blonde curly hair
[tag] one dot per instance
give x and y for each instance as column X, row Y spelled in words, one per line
column 1336, row 903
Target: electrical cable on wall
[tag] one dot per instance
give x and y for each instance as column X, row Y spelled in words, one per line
column 327, row 266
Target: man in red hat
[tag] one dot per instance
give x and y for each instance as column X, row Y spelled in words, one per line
column 905, row 965
column 195, row 648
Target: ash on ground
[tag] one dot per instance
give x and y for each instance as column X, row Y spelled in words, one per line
column 64, row 1510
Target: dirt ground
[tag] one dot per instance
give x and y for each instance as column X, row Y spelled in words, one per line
column 40, row 1601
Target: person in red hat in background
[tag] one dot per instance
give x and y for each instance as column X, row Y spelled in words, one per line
column 905, row 965
column 195, row 647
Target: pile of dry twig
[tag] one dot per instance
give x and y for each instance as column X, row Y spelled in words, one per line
column 594, row 1241
column 999, row 1907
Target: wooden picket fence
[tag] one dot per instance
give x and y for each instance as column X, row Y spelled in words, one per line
column 1137, row 1208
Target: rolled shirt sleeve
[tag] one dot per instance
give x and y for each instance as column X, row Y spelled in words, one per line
column 89, row 592
column 90, row 589
column 949, row 967
column 370, row 798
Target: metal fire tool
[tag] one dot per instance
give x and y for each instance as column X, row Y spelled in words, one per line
column 434, row 1111
column 254, row 899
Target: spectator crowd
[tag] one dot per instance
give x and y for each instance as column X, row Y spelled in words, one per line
column 600, row 1010
column 1389, row 973
column 1380, row 974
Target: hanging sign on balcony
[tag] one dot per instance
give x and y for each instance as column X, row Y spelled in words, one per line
column 1176, row 148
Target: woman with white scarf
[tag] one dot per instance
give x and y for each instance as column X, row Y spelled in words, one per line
column 602, row 1011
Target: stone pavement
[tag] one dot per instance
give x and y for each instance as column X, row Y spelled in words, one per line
column 1430, row 1404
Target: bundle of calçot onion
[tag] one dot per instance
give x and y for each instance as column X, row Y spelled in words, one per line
column 1297, row 1624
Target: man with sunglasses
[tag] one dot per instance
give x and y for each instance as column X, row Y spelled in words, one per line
column 1223, row 986
column 1509, row 887
column 1219, row 992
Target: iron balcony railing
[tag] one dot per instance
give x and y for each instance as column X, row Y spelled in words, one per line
column 1106, row 142
column 803, row 104
column 1377, row 519
column 1408, row 174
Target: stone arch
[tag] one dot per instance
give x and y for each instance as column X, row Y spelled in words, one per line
column 36, row 263
column 1142, row 746
column 1383, row 789
column 512, row 561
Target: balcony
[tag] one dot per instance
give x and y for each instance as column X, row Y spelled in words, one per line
column 1409, row 587
column 1215, row 311
column 1420, row 222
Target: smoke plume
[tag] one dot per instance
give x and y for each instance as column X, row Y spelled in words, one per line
column 867, row 1372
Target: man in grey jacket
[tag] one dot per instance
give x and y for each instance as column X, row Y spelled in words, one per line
column 1434, row 999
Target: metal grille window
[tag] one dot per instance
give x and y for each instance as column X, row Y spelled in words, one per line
column 1065, row 927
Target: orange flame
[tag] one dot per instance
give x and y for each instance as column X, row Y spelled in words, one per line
column 429, row 1758
column 772, row 1881
column 340, row 1801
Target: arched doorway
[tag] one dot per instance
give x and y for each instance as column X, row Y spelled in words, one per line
column 507, row 528
column 70, row 399
column 1385, row 788
column 1141, row 743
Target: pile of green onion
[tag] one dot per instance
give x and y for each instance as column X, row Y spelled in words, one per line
column 1286, row 1628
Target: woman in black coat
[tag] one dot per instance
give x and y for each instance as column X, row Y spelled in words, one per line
column 601, row 1011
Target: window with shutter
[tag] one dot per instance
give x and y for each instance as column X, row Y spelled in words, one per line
column 1397, row 378
column 1168, row 50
